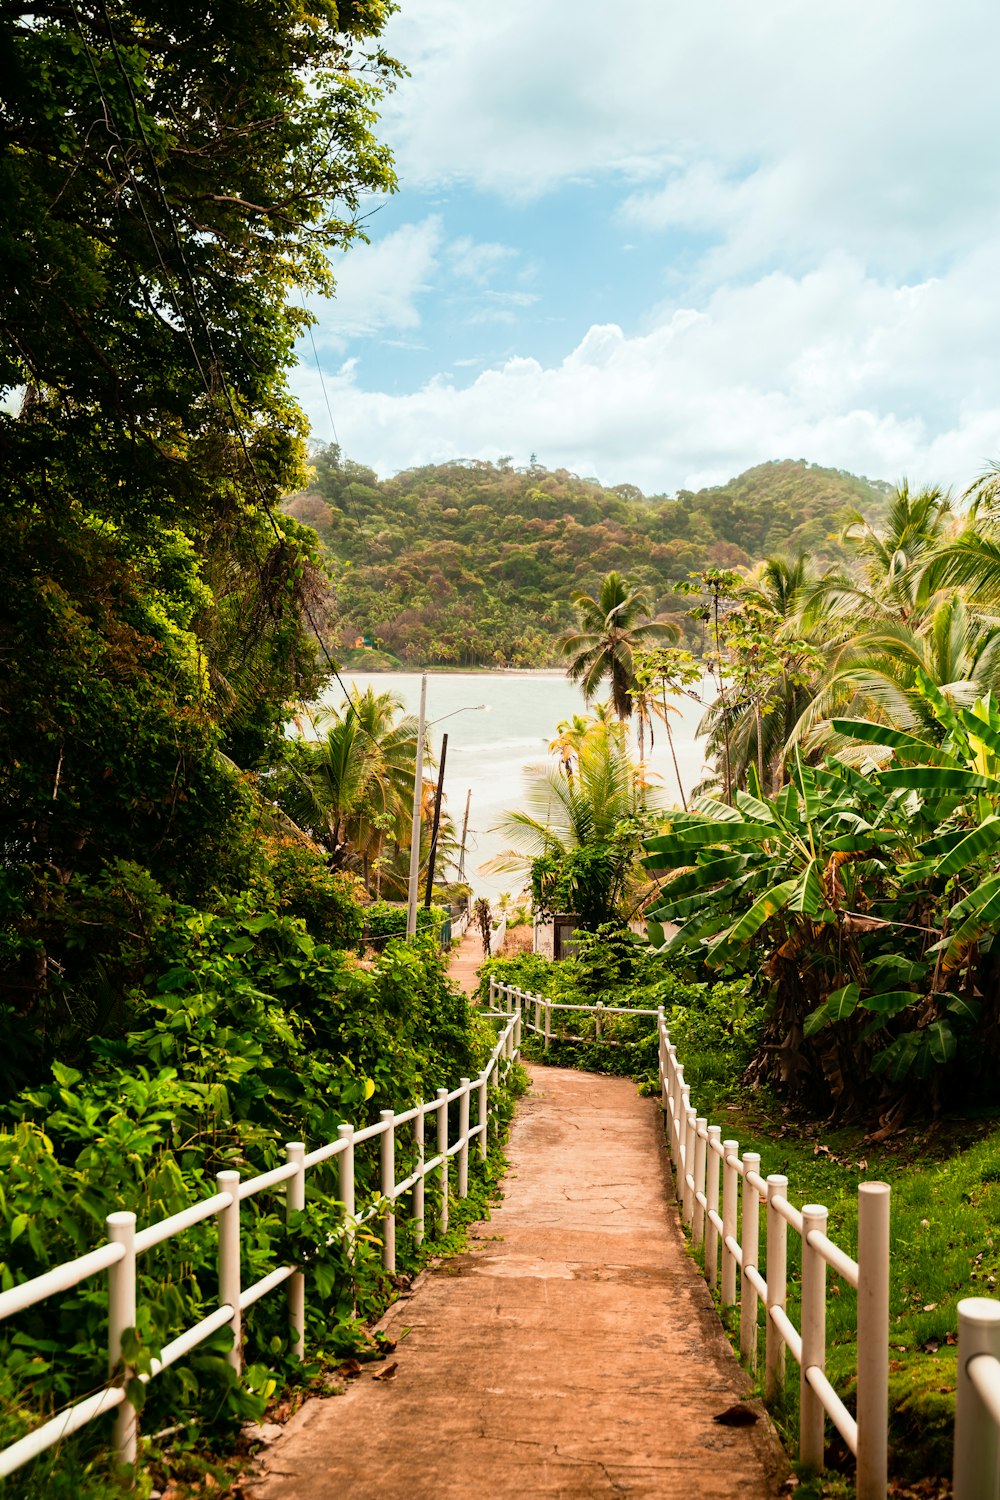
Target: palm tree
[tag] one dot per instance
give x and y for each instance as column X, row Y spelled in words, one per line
column 576, row 825
column 771, row 667
column 354, row 786
column 891, row 560
column 877, row 674
column 612, row 628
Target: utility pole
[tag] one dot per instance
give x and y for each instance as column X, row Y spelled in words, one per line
column 437, row 822
column 418, row 786
column 465, row 830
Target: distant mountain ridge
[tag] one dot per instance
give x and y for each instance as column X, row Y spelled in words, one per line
column 474, row 563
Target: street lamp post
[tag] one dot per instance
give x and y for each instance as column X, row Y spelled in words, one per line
column 418, row 784
column 414, row 880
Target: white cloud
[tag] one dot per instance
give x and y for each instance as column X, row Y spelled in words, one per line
column 781, row 128
column 477, row 261
column 836, row 366
column 379, row 285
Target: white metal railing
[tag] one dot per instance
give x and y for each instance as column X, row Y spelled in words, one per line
column 125, row 1244
column 705, row 1165
column 498, row 934
column 541, row 1015
column 700, row 1156
column 977, row 1401
column 460, row 924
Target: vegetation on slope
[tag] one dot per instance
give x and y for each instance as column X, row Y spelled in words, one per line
column 465, row 564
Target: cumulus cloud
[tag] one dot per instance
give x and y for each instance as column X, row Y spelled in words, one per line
column 379, row 285
column 834, row 365
column 780, row 128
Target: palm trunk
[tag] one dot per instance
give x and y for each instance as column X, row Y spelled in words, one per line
column 673, row 752
column 759, row 717
column 725, row 704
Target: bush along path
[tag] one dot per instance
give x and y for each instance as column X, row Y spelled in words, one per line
column 572, row 1350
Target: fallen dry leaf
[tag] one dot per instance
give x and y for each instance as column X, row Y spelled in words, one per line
column 387, row 1373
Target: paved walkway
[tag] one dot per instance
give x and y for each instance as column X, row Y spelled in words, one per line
column 572, row 1352
column 466, row 960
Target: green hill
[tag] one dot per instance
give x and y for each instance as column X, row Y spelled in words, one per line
column 474, row 563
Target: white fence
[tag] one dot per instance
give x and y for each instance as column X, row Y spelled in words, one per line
column 541, row 1016
column 498, row 934
column 119, row 1256
column 700, row 1158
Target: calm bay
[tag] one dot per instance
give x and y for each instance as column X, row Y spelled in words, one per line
column 489, row 748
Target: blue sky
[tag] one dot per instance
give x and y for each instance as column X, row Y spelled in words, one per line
column 658, row 243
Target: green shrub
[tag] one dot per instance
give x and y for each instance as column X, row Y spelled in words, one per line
column 251, row 1034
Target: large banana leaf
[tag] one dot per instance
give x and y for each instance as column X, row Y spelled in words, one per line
column 835, row 1007
column 808, row 895
column 675, row 848
column 894, row 739
column 981, row 919
column 938, row 781
column 688, row 906
column 891, row 1002
column 763, row 909
column 980, row 841
column 701, row 877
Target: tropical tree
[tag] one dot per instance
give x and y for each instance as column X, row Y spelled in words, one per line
column 890, row 561
column 353, row 786
column 673, row 671
column 579, row 837
column 612, row 627
column 867, row 897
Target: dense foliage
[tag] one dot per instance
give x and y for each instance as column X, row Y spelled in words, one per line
column 476, row 563
column 250, row 1034
column 868, row 898
column 170, row 175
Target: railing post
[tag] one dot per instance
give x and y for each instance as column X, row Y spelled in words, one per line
column 442, row 1151
column 700, row 1164
column 463, row 1135
column 121, row 1315
column 345, row 1191
column 977, row 1437
column 750, row 1245
column 229, row 1262
column 418, row 1186
column 712, row 1197
column 517, row 1032
column 671, row 1097
column 873, row 1341
column 687, row 1184
column 538, row 1014
column 548, row 1024
column 295, row 1199
column 683, row 1105
column 345, row 1178
column 387, row 1160
column 661, row 1050
column 730, row 1179
column 597, row 1020
column 811, row 1415
column 483, row 1119
column 777, row 1289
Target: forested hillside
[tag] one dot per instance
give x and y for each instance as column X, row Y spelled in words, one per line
column 475, row 563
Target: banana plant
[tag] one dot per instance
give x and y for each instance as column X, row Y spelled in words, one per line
column 866, row 893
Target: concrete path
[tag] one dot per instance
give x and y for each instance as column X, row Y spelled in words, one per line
column 465, row 961
column 573, row 1351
